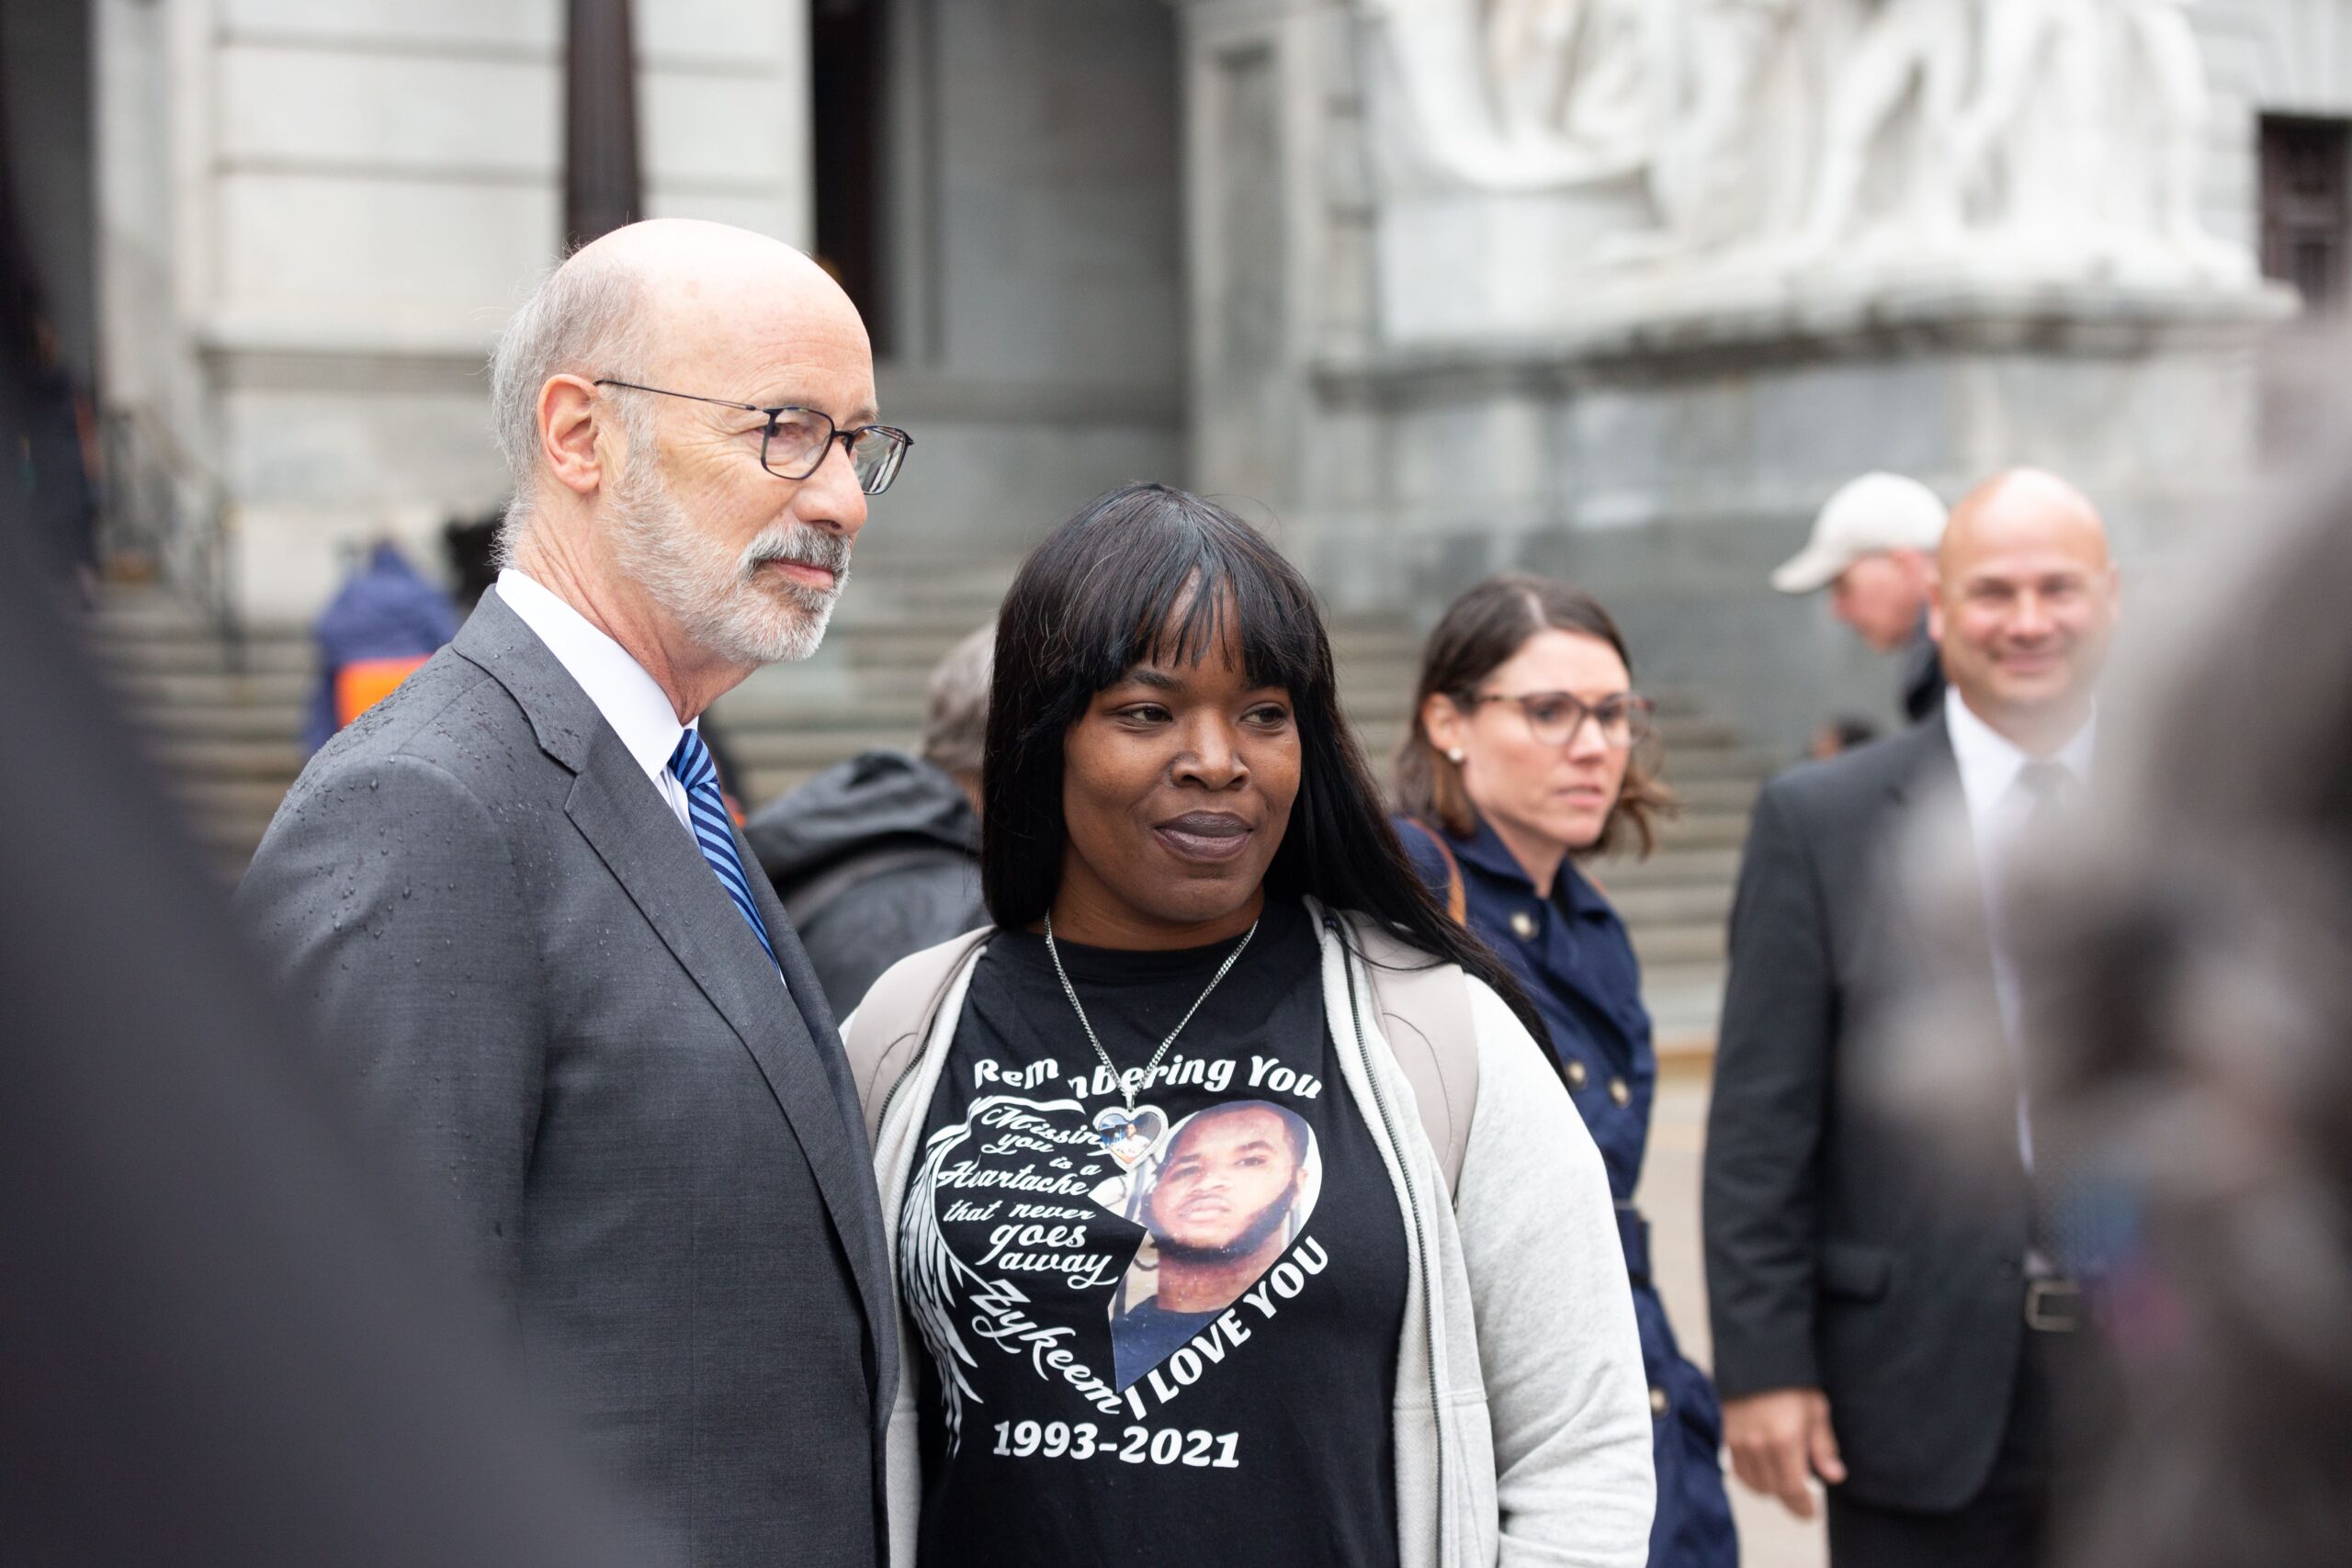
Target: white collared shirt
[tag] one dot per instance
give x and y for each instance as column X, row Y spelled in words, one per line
column 1990, row 764
column 632, row 701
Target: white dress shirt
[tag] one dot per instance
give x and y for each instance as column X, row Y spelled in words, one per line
column 1990, row 764
column 632, row 701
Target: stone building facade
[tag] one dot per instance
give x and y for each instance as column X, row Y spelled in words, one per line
column 313, row 214
column 1621, row 290
column 1616, row 289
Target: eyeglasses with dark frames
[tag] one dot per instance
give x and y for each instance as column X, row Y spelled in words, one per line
column 1554, row 719
column 796, row 440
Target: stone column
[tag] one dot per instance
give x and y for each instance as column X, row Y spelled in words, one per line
column 602, row 186
column 1278, row 235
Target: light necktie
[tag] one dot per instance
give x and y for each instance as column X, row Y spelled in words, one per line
column 2062, row 1231
column 713, row 830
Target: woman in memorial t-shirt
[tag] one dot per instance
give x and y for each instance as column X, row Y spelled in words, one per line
column 1182, row 1283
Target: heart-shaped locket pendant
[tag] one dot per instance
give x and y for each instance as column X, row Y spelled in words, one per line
column 1129, row 1137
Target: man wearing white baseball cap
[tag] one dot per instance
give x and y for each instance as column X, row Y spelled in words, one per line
column 1874, row 547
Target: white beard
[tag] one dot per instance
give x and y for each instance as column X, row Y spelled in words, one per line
column 723, row 602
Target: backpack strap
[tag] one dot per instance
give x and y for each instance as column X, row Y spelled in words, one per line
column 886, row 1034
column 1424, row 1006
column 1457, row 897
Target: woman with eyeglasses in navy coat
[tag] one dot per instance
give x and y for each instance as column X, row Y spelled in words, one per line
column 1529, row 750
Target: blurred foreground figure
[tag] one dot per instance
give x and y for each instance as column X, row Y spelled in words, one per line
column 221, row 1339
column 1876, row 1325
column 879, row 857
column 513, row 896
column 1873, row 547
column 2187, row 991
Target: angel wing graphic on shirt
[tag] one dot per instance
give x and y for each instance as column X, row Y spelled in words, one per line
column 932, row 1270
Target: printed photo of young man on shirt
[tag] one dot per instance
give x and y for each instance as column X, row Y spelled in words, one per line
column 1233, row 1188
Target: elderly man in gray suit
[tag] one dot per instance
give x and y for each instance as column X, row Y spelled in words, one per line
column 515, row 902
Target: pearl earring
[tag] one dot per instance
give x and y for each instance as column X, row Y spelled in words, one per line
column 1455, row 756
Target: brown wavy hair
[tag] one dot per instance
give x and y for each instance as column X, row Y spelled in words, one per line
column 1479, row 633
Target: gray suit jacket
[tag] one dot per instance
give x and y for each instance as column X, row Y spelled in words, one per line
column 548, row 999
column 1838, row 1257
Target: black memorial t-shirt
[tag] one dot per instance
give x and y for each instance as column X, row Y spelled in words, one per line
column 1167, row 1338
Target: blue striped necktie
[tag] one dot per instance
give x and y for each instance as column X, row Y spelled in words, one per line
column 713, row 830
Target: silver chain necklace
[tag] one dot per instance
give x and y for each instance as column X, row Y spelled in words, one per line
column 1070, row 991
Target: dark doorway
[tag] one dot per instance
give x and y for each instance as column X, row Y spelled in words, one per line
column 849, row 67
column 2307, row 206
column 2306, row 245
column 603, row 187
column 48, row 275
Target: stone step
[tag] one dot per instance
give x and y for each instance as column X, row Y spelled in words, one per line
column 1673, row 904
column 1680, row 946
column 1729, row 792
column 1673, row 866
column 155, row 691
column 199, row 654
column 228, row 757
column 228, row 799
column 1685, row 1002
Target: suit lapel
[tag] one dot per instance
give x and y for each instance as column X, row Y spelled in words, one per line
column 648, row 852
column 807, row 991
column 656, row 862
column 1933, row 775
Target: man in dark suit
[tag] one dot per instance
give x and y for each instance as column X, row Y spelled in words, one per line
column 516, row 905
column 1874, row 1325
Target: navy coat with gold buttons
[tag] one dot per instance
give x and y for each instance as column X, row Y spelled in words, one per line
column 1571, row 954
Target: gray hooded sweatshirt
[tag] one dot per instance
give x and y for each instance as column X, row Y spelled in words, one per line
column 874, row 859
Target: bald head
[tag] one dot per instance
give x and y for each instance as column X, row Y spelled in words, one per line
column 670, row 401
column 649, row 299
column 2024, row 505
column 2027, row 602
column 708, row 297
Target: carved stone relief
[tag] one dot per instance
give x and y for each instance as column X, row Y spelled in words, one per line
column 2025, row 139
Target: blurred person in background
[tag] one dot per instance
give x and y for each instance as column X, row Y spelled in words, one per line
column 514, row 902
column 1835, row 736
column 1874, row 547
column 879, row 856
column 1901, row 1337
column 2185, row 984
column 381, row 626
column 1529, row 751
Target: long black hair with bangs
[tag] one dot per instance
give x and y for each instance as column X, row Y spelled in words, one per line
column 1152, row 571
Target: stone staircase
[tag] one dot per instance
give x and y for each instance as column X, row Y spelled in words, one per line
column 224, row 718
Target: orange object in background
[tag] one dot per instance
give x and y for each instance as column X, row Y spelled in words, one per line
column 362, row 683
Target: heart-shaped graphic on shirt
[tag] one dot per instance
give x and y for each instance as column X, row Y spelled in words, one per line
column 1229, row 1186
column 1195, row 1213
column 1130, row 1135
